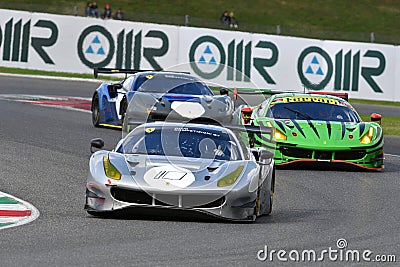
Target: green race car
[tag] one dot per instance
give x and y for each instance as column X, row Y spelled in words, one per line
column 316, row 129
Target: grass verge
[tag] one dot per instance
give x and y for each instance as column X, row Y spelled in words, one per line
column 390, row 124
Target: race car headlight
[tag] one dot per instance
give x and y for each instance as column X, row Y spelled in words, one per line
column 279, row 135
column 367, row 138
column 110, row 169
column 230, row 178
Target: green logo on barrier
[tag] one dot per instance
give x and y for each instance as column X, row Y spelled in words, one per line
column 95, row 47
column 204, row 53
column 208, row 59
column 315, row 72
column 315, row 69
column 17, row 38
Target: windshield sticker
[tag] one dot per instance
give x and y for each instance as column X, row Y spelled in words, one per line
column 280, row 99
column 149, row 130
column 196, row 131
column 179, row 77
column 310, row 99
column 149, row 77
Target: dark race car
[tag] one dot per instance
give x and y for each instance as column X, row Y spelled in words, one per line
column 157, row 95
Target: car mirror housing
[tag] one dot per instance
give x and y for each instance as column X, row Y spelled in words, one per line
column 96, row 143
column 375, row 117
column 224, row 91
column 112, row 89
column 262, row 155
column 265, row 155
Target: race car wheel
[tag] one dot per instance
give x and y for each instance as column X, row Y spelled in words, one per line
column 272, row 192
column 95, row 111
column 123, row 108
column 265, row 197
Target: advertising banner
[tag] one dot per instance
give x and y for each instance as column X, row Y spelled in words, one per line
column 78, row 44
column 222, row 57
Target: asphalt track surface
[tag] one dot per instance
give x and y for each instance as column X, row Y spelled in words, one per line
column 44, row 160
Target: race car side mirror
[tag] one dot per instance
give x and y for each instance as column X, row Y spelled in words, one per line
column 262, row 155
column 112, row 89
column 96, row 143
column 224, row 91
column 265, row 155
column 376, row 117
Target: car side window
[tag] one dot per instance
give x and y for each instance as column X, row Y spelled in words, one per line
column 243, row 148
column 127, row 85
column 263, row 107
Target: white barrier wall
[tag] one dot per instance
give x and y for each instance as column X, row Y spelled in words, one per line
column 229, row 58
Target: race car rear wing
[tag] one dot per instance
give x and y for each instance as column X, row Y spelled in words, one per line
column 96, row 71
column 342, row 95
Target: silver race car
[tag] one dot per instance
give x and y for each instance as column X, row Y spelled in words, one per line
column 183, row 168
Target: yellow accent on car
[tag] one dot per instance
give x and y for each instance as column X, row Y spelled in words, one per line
column 279, row 135
column 230, row 178
column 149, row 77
column 111, row 126
column 310, row 99
column 149, row 130
column 367, row 137
column 110, row 170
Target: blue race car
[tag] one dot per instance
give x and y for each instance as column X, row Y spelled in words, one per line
column 157, row 95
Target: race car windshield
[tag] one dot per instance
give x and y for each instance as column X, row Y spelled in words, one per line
column 313, row 111
column 163, row 83
column 182, row 142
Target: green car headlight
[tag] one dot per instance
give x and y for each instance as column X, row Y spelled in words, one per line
column 110, row 169
column 367, row 138
column 230, row 178
column 279, row 135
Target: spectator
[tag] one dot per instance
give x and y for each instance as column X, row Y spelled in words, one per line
column 225, row 18
column 232, row 20
column 88, row 9
column 94, row 10
column 107, row 14
column 119, row 15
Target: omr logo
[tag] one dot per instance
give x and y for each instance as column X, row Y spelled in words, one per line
column 208, row 58
column 96, row 46
column 316, row 68
column 18, row 39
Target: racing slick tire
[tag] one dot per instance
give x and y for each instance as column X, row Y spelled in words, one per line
column 122, row 110
column 265, row 197
column 95, row 111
